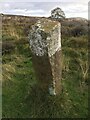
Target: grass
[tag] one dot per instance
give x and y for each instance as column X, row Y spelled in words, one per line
column 17, row 82
column 22, row 98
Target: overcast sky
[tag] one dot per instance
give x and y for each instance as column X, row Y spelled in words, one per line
column 71, row 8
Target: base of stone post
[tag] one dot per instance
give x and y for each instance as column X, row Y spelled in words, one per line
column 48, row 73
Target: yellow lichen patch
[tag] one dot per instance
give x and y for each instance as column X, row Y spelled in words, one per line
column 47, row 24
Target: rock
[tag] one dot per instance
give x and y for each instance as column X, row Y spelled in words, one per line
column 45, row 44
column 57, row 13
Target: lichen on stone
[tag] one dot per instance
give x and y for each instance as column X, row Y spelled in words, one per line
column 45, row 37
column 45, row 44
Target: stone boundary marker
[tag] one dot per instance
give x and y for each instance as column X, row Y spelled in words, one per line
column 45, row 45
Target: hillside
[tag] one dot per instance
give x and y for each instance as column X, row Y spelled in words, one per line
column 21, row 96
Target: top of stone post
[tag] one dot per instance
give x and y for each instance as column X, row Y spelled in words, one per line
column 46, row 24
column 45, row 37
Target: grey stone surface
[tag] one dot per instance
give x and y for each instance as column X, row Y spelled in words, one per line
column 45, row 44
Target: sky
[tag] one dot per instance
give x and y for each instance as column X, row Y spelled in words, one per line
column 42, row 8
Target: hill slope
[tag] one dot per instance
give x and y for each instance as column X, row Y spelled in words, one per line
column 21, row 96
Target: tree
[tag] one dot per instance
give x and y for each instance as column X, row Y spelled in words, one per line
column 57, row 13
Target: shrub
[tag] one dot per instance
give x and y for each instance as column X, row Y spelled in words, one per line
column 7, row 47
column 79, row 30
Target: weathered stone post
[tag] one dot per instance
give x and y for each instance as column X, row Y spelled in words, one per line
column 45, row 44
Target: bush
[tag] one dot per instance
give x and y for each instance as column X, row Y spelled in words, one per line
column 7, row 47
column 74, row 28
column 79, row 30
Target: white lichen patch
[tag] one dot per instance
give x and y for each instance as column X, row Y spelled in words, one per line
column 37, row 44
column 52, row 88
column 52, row 91
column 55, row 41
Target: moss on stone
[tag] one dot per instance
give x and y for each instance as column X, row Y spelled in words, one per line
column 46, row 24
